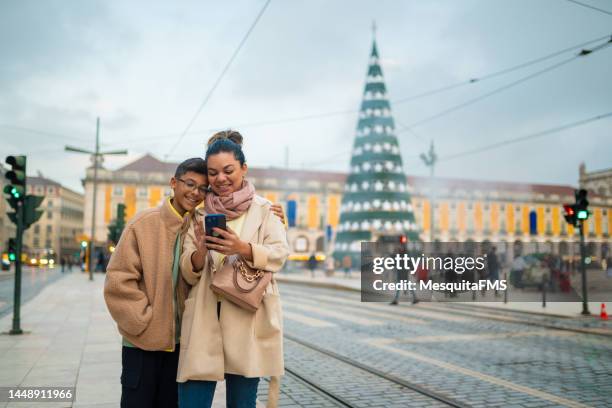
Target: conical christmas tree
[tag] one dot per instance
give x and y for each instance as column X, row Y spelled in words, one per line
column 376, row 200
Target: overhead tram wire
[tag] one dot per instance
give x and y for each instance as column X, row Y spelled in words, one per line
column 583, row 53
column 430, row 92
column 220, row 77
column 40, row 132
column 591, row 7
column 525, row 138
column 500, row 72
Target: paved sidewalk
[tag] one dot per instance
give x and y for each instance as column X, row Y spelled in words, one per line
column 353, row 283
column 71, row 341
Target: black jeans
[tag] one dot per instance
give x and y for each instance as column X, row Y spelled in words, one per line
column 148, row 378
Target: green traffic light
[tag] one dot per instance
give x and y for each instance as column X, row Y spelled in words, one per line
column 12, row 257
column 583, row 214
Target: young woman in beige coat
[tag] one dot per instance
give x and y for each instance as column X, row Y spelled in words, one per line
column 219, row 339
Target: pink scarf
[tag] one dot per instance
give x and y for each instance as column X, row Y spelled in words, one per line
column 233, row 205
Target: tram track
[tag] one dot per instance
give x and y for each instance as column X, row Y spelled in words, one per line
column 339, row 400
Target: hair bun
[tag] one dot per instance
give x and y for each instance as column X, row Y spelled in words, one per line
column 229, row 134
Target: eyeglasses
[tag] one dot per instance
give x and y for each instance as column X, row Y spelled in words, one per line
column 193, row 186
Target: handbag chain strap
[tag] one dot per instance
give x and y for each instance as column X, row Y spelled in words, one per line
column 249, row 276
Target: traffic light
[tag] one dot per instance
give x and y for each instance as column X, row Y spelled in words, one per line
column 579, row 210
column 120, row 216
column 83, row 244
column 570, row 214
column 30, row 212
column 116, row 228
column 113, row 233
column 12, row 249
column 582, row 204
column 17, row 179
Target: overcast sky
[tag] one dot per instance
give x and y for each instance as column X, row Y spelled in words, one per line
column 145, row 67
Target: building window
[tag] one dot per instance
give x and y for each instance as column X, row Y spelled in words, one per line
column 49, row 214
column 37, row 229
column 143, row 192
column 49, row 203
column 39, row 190
column 118, row 191
column 301, row 244
column 48, row 243
column 470, row 222
column 36, row 242
column 49, row 229
column 50, row 190
column 291, row 212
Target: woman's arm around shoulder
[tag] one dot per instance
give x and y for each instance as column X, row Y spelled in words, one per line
column 272, row 253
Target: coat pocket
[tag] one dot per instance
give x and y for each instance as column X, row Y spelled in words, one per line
column 268, row 318
column 187, row 322
column 131, row 366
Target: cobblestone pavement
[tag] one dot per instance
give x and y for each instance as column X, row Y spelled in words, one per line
column 462, row 354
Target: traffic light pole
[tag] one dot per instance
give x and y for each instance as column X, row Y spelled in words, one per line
column 17, row 292
column 585, row 302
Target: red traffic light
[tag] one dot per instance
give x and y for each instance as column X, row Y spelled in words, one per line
column 569, row 209
column 403, row 239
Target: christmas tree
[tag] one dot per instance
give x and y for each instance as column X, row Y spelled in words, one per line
column 376, row 199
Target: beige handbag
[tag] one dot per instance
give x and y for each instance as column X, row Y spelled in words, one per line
column 239, row 283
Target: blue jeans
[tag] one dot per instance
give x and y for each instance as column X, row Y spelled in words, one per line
column 241, row 392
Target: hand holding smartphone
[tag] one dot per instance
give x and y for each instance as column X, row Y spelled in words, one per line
column 214, row 220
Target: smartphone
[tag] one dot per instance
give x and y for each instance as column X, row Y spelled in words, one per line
column 214, row 220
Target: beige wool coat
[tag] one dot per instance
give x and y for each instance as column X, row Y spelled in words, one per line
column 239, row 342
column 138, row 289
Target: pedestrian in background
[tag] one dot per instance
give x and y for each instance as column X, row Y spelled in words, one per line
column 516, row 271
column 347, row 263
column 312, row 264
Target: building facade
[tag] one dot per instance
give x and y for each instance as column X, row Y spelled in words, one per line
column 464, row 210
column 599, row 181
column 58, row 232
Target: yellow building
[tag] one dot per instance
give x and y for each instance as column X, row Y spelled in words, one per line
column 500, row 212
column 58, row 230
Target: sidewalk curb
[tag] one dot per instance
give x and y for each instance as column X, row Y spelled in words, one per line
column 329, row 285
column 527, row 312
